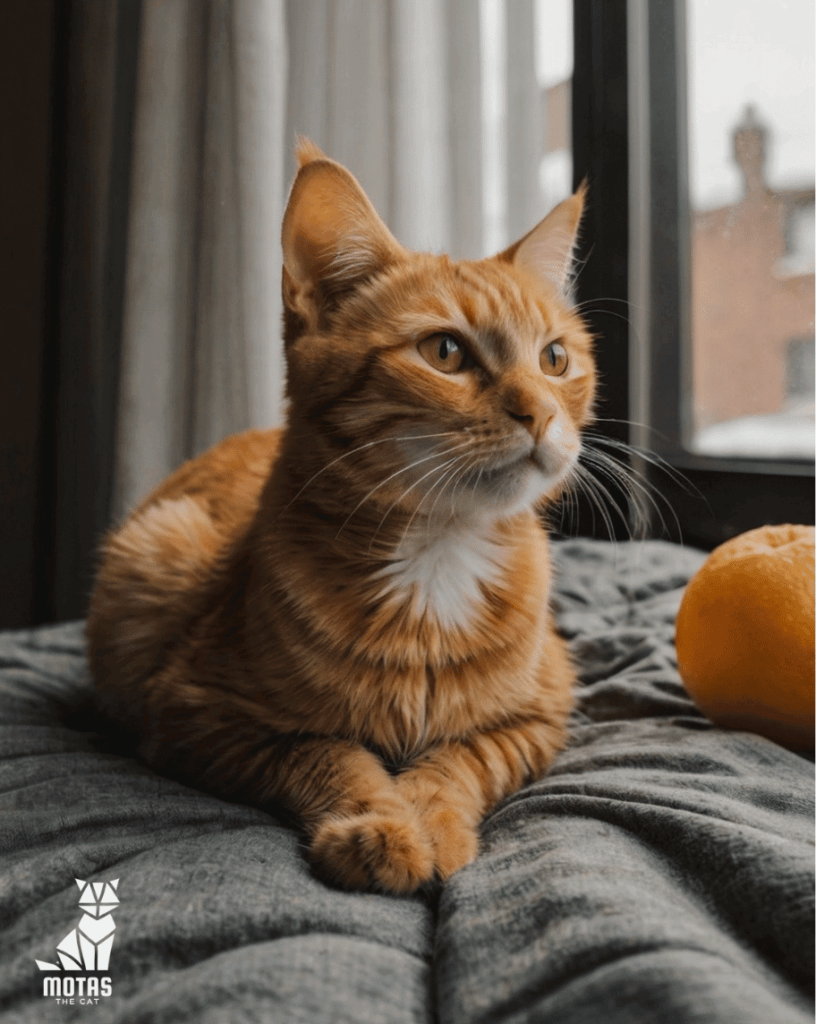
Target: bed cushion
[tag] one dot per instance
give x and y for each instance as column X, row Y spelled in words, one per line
column 663, row 870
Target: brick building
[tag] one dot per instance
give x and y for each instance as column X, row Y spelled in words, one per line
column 752, row 297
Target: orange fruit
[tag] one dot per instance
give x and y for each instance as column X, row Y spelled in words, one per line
column 745, row 635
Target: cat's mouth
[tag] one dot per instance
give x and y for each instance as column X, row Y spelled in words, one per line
column 506, row 485
column 504, row 471
column 550, row 465
column 522, row 480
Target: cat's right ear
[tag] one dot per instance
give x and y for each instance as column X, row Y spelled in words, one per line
column 546, row 252
column 332, row 237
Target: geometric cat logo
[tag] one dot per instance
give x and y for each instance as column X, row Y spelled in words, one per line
column 88, row 946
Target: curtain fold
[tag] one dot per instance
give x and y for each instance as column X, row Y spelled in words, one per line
column 200, row 353
column 524, row 123
column 93, row 112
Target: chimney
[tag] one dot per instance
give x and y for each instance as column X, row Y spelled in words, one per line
column 749, row 151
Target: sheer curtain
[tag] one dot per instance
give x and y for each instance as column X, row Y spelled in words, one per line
column 200, row 357
column 216, row 94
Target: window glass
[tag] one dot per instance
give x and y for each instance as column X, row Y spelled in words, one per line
column 751, row 143
column 554, row 74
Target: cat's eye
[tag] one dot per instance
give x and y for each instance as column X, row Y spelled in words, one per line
column 554, row 359
column 444, row 353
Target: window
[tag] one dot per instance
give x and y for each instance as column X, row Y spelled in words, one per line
column 554, row 73
column 750, row 122
column 662, row 266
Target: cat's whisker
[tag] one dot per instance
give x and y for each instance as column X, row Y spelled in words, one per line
column 568, row 509
column 408, row 490
column 630, row 423
column 589, row 303
column 574, row 495
column 450, row 475
column 596, row 489
column 584, row 484
column 617, row 464
column 632, row 480
column 635, row 482
column 456, row 475
column 635, row 491
column 600, row 497
column 637, row 486
column 618, row 316
column 392, row 476
column 360, row 448
column 425, row 497
column 645, row 455
column 462, row 476
column 572, row 490
column 589, row 306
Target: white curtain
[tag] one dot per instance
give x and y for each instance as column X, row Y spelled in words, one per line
column 391, row 88
column 200, row 356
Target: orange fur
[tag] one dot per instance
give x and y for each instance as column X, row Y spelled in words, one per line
column 350, row 616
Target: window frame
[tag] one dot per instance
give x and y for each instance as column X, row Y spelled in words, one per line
column 600, row 155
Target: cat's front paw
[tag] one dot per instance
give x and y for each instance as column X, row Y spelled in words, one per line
column 455, row 842
column 373, row 849
column 448, row 822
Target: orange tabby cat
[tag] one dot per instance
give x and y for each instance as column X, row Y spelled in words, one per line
column 350, row 616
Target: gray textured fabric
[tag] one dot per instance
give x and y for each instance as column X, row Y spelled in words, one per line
column 662, row 872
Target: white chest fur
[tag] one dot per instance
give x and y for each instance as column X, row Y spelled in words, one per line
column 441, row 575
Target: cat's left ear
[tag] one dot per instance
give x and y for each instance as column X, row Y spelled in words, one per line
column 546, row 252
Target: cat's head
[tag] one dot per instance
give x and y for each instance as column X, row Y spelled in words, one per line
column 442, row 388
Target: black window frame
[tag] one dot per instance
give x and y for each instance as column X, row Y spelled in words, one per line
column 629, row 86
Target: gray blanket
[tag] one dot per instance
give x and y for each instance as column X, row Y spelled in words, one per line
column 662, row 872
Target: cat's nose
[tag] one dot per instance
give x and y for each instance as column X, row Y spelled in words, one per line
column 525, row 418
column 533, row 413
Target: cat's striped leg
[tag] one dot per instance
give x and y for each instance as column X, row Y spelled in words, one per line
column 456, row 783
